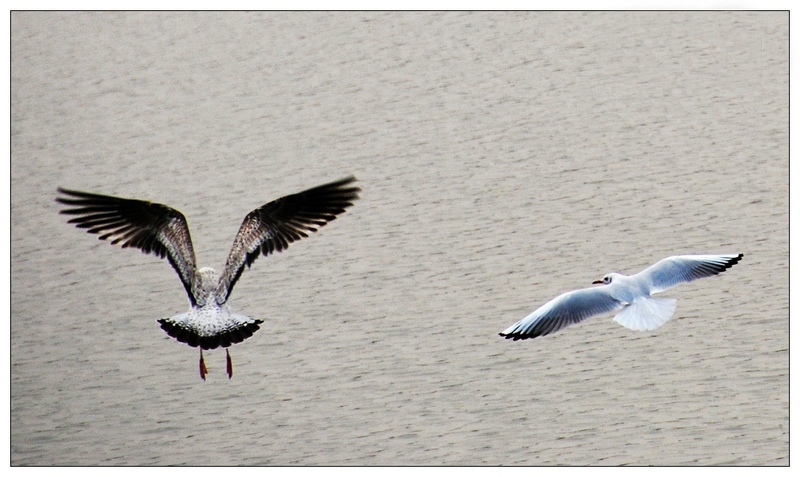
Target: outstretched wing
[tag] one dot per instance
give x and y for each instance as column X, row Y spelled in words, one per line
column 151, row 227
column 562, row 311
column 273, row 226
column 679, row 269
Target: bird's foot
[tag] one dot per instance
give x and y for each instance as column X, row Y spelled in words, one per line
column 229, row 363
column 203, row 369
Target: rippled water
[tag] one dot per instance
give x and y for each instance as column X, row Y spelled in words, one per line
column 504, row 159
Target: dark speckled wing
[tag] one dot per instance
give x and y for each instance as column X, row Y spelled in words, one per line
column 151, row 227
column 273, row 226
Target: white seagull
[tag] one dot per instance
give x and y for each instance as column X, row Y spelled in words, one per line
column 632, row 294
column 163, row 231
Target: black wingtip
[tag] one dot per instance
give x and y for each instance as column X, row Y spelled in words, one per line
column 515, row 337
column 66, row 192
column 734, row 261
column 341, row 183
column 73, row 193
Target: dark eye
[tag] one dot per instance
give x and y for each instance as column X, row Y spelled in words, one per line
column 608, row 280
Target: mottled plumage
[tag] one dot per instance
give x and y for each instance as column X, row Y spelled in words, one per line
column 163, row 231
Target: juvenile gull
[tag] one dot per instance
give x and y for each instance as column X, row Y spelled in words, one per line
column 163, row 231
column 632, row 294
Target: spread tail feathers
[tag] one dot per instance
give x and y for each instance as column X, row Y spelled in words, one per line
column 646, row 314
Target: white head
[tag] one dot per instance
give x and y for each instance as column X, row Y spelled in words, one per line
column 608, row 279
column 209, row 279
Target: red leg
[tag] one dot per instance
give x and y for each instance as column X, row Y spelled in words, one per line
column 230, row 363
column 203, row 369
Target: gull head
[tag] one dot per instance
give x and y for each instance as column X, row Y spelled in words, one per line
column 608, row 279
column 209, row 279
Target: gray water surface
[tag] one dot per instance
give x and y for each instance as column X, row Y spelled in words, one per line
column 504, row 158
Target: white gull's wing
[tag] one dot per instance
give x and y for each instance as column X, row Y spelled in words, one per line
column 569, row 308
column 679, row 269
column 151, row 227
column 273, row 226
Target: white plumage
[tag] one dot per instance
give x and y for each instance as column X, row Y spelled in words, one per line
column 631, row 294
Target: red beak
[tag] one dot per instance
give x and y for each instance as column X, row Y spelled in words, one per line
column 597, row 282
